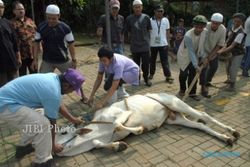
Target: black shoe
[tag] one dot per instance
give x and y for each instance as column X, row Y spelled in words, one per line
column 151, row 76
column 245, row 73
column 148, row 83
column 205, row 94
column 49, row 163
column 209, row 85
column 169, row 80
column 21, row 151
column 195, row 97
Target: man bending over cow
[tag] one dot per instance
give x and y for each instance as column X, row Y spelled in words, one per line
column 120, row 70
column 18, row 100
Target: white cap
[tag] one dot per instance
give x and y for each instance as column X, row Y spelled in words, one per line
column 137, row 2
column 52, row 9
column 217, row 17
column 1, row 3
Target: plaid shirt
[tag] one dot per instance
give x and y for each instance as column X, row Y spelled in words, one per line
column 25, row 31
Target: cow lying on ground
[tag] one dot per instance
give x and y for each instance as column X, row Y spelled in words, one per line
column 137, row 114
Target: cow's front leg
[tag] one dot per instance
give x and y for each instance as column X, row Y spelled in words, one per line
column 115, row 146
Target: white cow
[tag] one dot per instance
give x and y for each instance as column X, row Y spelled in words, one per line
column 137, row 114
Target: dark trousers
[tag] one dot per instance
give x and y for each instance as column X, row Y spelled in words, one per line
column 26, row 63
column 245, row 63
column 187, row 75
column 163, row 51
column 109, row 81
column 144, row 58
column 7, row 76
column 212, row 68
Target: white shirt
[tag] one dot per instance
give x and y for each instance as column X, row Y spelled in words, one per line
column 214, row 38
column 158, row 34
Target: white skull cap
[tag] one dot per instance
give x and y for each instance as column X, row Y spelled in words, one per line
column 1, row 3
column 137, row 2
column 217, row 17
column 52, row 9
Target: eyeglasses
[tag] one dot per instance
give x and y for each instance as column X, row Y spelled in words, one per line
column 160, row 11
column 1, row 7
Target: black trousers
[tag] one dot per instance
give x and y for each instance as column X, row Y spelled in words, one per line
column 163, row 51
column 109, row 80
column 212, row 68
column 143, row 57
column 26, row 63
column 187, row 75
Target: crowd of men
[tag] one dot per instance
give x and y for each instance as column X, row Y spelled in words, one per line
column 197, row 52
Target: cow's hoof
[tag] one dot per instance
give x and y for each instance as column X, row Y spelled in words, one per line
column 230, row 142
column 201, row 121
column 122, row 146
column 236, row 135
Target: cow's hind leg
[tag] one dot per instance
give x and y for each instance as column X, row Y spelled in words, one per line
column 181, row 107
column 115, row 146
column 182, row 120
column 122, row 119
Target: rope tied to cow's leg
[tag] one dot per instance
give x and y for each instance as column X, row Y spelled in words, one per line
column 126, row 104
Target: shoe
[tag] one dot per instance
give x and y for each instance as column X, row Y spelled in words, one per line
column 49, row 163
column 151, row 76
column 169, row 80
column 195, row 97
column 245, row 73
column 231, row 87
column 121, row 93
column 209, row 85
column 148, row 83
column 21, row 151
column 205, row 94
column 181, row 93
column 228, row 81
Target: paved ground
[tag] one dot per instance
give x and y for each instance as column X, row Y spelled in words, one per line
column 169, row 145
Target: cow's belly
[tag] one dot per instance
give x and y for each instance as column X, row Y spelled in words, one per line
column 146, row 112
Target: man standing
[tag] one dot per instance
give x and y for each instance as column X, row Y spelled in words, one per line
column 190, row 53
column 138, row 25
column 54, row 33
column 10, row 58
column 18, row 100
column 25, row 30
column 216, row 36
column 234, row 44
column 119, row 70
column 245, row 63
column 159, row 39
column 116, row 27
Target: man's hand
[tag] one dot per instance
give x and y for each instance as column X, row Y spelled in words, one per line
column 34, row 64
column 98, row 106
column 57, row 148
column 74, row 63
column 77, row 121
column 90, row 101
column 198, row 69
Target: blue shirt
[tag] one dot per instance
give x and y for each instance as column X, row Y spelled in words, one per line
column 34, row 91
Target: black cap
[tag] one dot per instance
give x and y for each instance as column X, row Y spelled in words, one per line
column 159, row 7
column 242, row 16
